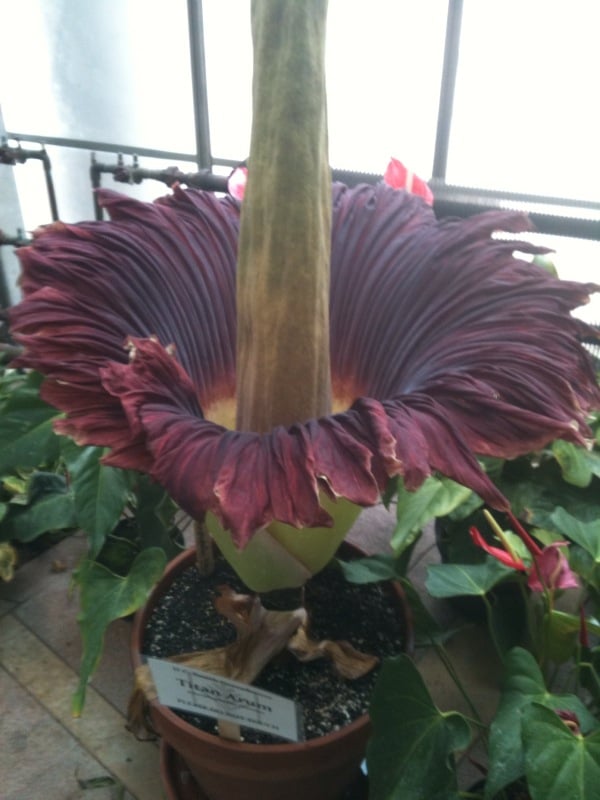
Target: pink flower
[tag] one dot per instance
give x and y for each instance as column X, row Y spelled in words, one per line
column 399, row 177
column 236, row 182
column 551, row 570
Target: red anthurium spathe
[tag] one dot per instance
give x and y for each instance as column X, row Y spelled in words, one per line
column 549, row 569
column 400, row 177
column 506, row 557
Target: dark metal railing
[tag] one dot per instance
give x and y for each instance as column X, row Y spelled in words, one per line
column 16, row 154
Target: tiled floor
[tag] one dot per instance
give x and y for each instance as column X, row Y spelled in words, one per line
column 46, row 754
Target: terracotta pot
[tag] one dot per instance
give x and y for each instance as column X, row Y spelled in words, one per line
column 318, row 769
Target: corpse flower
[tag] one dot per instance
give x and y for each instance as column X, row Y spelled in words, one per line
column 443, row 344
column 273, row 363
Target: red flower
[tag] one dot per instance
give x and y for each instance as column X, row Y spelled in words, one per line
column 399, row 177
column 503, row 556
column 549, row 569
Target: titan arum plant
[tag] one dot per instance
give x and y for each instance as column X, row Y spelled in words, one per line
column 275, row 362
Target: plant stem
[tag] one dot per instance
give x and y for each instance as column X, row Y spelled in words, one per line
column 449, row 666
column 490, row 626
column 205, row 553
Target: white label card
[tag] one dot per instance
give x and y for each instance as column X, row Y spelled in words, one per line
column 199, row 692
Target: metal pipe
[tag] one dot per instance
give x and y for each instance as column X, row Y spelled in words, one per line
column 204, row 179
column 19, row 155
column 451, row 47
column 18, row 240
column 107, row 147
column 198, row 68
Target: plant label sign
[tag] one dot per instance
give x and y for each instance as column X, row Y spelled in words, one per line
column 199, row 692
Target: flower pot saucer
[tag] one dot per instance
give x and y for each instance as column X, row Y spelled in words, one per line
column 179, row 783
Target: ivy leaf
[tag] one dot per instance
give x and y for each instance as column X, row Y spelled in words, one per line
column 523, row 685
column 456, row 580
column 410, row 754
column 105, row 597
column 558, row 763
column 101, row 492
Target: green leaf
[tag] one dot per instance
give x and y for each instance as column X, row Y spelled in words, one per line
column 410, row 754
column 154, row 514
column 523, row 685
column 45, row 483
column 558, row 763
column 120, row 549
column 369, row 569
column 585, row 534
column 436, row 497
column 52, row 512
column 578, row 464
column 561, row 632
column 101, row 492
column 28, row 439
column 14, row 484
column 537, row 490
column 574, row 462
column 106, row 597
column 456, row 580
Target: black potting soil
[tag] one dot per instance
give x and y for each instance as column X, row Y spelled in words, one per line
column 367, row 616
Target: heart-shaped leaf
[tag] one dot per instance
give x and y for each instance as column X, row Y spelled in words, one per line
column 101, row 492
column 410, row 755
column 578, row 464
column 436, row 497
column 585, row 534
column 52, row 511
column 106, row 597
column 154, row 513
column 456, row 580
column 523, row 685
column 26, row 432
column 558, row 762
